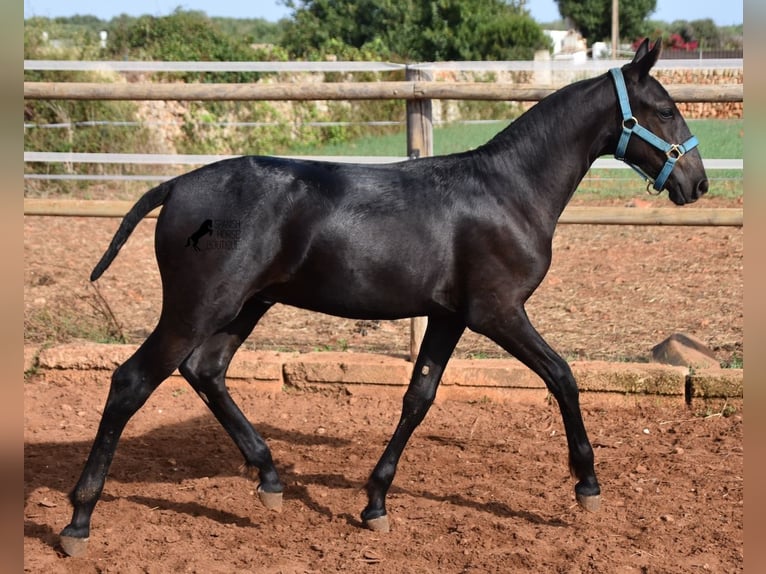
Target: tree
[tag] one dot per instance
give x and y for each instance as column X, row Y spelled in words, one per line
column 250, row 30
column 593, row 18
column 424, row 30
column 706, row 33
column 180, row 36
column 318, row 24
column 475, row 30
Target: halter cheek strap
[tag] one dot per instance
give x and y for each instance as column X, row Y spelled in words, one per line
column 630, row 126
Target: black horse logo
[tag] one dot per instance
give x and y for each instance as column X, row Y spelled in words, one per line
column 205, row 229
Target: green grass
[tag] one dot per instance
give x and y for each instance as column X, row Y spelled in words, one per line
column 447, row 139
column 719, row 139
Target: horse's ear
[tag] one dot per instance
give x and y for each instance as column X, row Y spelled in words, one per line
column 644, row 58
column 641, row 51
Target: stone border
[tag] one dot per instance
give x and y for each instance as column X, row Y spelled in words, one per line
column 464, row 379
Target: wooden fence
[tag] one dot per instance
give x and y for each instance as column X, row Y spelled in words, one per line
column 407, row 90
column 418, row 90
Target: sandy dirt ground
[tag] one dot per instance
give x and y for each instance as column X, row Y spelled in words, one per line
column 482, row 487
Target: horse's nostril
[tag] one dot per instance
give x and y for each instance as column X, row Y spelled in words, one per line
column 702, row 186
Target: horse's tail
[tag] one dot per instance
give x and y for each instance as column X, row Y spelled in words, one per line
column 150, row 200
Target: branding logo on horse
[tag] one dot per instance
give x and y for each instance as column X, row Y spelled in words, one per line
column 224, row 234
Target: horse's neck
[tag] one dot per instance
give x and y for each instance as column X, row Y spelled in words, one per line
column 549, row 149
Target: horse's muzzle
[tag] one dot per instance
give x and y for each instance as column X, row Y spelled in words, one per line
column 700, row 189
column 680, row 197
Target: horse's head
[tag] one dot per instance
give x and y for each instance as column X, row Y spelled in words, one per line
column 655, row 138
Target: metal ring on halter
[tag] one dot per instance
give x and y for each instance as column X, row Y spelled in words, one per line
column 632, row 121
column 650, row 188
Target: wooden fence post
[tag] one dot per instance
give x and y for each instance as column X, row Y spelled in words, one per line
column 420, row 143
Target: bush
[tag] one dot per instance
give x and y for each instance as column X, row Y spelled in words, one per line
column 182, row 36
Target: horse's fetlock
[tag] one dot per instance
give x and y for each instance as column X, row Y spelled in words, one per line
column 84, row 495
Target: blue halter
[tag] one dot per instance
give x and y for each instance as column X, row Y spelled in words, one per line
column 630, row 126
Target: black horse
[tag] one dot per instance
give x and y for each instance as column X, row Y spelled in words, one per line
column 463, row 239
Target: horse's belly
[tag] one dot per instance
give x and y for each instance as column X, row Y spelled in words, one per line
column 375, row 292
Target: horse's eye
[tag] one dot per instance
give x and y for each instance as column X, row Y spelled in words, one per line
column 666, row 113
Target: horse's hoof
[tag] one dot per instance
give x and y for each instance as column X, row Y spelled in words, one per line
column 589, row 503
column 74, row 547
column 379, row 524
column 271, row 500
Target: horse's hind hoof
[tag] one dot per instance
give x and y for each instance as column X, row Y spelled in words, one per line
column 74, row 547
column 379, row 524
column 271, row 500
column 589, row 503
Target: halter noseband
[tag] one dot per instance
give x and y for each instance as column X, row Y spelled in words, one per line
column 630, row 126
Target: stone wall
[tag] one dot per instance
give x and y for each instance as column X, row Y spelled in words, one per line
column 546, row 73
column 722, row 110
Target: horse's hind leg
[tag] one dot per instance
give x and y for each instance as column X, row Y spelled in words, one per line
column 205, row 369
column 442, row 334
column 132, row 384
column 513, row 331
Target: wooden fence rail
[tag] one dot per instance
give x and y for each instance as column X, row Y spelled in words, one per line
column 406, row 90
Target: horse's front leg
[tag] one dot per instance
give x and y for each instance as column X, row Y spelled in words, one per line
column 442, row 334
column 510, row 328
